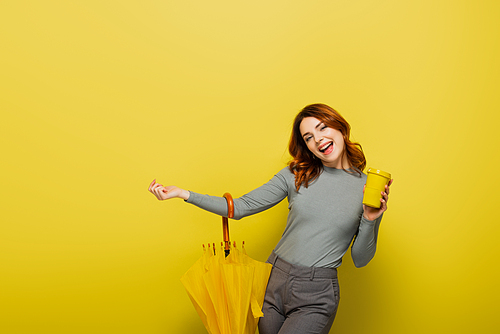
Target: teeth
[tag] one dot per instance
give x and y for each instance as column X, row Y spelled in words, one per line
column 322, row 149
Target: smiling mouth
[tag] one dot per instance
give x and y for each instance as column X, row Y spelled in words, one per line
column 328, row 148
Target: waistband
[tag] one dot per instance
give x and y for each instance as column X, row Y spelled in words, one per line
column 301, row 271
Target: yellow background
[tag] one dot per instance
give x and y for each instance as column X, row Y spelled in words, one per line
column 98, row 98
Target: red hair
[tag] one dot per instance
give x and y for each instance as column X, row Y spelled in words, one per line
column 304, row 164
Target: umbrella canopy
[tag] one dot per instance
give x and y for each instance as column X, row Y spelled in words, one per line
column 227, row 291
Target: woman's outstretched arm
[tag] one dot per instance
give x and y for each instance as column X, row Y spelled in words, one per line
column 257, row 200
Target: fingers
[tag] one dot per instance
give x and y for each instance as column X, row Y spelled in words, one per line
column 151, row 185
column 154, row 186
column 383, row 207
column 157, row 189
column 385, row 198
column 387, row 186
column 385, row 194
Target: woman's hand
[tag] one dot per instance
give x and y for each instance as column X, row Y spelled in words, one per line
column 163, row 193
column 373, row 213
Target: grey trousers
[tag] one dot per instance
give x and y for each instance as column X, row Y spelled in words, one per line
column 299, row 300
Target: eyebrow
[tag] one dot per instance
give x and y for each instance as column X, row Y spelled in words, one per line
column 308, row 133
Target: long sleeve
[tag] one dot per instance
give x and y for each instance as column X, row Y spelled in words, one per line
column 260, row 199
column 322, row 221
column 365, row 243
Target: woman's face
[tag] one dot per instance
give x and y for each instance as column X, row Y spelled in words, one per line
column 324, row 142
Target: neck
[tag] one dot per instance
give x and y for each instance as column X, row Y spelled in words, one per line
column 343, row 164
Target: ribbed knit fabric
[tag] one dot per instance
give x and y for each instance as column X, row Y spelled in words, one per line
column 322, row 220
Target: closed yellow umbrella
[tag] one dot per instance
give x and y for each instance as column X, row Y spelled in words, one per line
column 227, row 287
column 198, row 293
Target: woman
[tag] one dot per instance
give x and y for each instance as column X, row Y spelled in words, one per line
column 324, row 185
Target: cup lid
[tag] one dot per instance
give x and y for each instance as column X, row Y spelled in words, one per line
column 380, row 172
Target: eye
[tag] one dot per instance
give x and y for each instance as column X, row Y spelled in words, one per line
column 323, row 127
column 307, row 138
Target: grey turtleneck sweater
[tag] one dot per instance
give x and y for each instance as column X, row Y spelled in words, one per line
column 322, row 221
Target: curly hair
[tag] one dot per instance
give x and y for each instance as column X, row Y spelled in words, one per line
column 304, row 164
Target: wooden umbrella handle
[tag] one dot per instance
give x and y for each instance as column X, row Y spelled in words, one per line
column 230, row 205
column 225, row 221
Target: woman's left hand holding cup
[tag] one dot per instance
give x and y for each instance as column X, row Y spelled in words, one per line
column 373, row 213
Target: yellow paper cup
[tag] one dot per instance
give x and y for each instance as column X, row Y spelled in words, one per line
column 375, row 185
